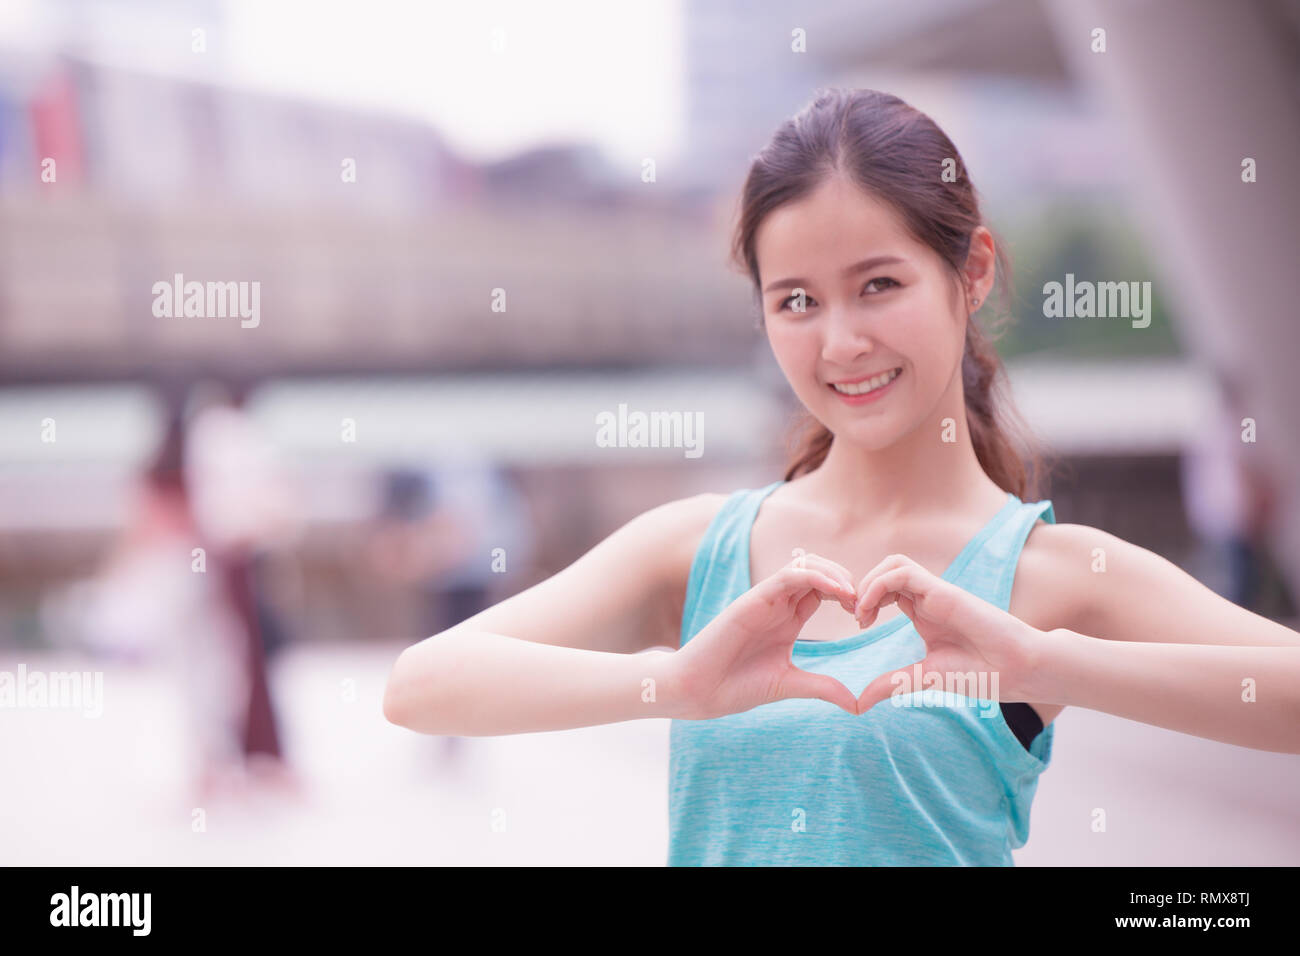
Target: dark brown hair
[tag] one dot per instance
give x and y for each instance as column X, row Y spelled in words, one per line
column 898, row 154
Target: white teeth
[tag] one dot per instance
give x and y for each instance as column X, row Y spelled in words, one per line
column 859, row 388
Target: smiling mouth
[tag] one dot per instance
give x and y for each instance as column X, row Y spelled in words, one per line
column 868, row 385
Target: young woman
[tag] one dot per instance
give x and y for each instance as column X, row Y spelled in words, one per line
column 801, row 733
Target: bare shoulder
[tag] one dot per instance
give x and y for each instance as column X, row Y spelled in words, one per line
column 660, row 541
column 1082, row 578
column 1056, row 580
column 1063, row 544
column 629, row 586
column 1096, row 583
column 698, row 509
column 674, row 530
column 667, row 538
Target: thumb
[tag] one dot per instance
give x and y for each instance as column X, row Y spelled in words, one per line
column 801, row 683
column 885, row 686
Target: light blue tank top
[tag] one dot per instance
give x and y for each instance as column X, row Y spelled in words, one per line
column 802, row 782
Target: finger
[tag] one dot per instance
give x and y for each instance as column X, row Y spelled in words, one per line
column 948, row 675
column 807, row 606
column 866, row 616
column 823, row 563
column 804, row 684
column 809, row 559
column 836, row 571
column 895, row 683
column 888, row 564
column 791, row 581
column 907, row 581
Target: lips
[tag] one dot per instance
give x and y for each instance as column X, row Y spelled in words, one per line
column 865, row 386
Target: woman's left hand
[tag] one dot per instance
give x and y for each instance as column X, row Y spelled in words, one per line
column 963, row 633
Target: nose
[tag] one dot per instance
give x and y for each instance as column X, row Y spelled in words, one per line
column 847, row 338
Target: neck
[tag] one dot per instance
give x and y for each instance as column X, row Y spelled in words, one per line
column 916, row 473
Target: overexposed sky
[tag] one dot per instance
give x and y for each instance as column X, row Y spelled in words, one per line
column 587, row 69
column 595, row 70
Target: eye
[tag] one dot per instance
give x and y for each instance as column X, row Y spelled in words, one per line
column 806, row 299
column 884, row 283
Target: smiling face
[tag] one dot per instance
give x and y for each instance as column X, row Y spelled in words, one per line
column 883, row 317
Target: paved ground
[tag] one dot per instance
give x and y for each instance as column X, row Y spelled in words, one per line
column 113, row 791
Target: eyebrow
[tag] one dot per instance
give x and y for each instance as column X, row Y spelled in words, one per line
column 862, row 266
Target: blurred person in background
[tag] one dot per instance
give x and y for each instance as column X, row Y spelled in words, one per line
column 1228, row 501
column 495, row 535
column 244, row 506
column 154, row 598
column 450, row 531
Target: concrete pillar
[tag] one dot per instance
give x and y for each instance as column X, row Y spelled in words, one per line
column 1196, row 87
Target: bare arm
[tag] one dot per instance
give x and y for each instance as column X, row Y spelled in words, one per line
column 566, row 652
column 1094, row 583
column 478, row 683
column 1145, row 640
column 1244, row 695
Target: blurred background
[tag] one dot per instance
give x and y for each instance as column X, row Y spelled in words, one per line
column 473, row 228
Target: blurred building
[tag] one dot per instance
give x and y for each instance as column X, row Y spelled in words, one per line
column 384, row 259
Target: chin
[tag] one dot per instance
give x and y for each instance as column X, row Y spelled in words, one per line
column 867, row 435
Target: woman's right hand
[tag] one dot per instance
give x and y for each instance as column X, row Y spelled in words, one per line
column 742, row 658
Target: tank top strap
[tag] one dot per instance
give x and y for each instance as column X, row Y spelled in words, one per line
column 720, row 568
column 992, row 568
